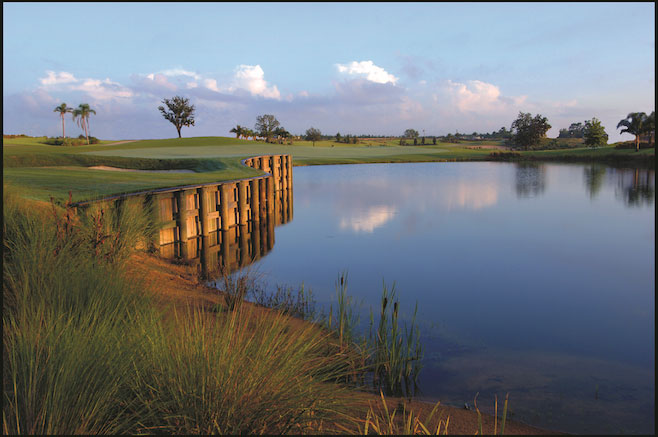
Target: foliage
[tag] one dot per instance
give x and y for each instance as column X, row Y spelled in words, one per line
column 396, row 355
column 239, row 131
column 528, row 131
column 266, row 126
column 81, row 114
column 285, row 299
column 576, row 130
column 595, row 133
column 635, row 123
column 410, row 133
column 313, row 134
column 63, row 110
column 85, row 352
column 179, row 112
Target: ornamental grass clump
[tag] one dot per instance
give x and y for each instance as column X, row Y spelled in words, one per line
column 241, row 373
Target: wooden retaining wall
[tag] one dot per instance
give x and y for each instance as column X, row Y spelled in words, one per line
column 225, row 224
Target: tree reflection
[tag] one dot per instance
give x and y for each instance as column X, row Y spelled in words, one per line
column 530, row 179
column 594, row 176
column 637, row 187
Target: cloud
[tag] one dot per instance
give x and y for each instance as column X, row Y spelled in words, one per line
column 180, row 72
column 103, row 90
column 478, row 96
column 252, row 79
column 372, row 72
column 53, row 78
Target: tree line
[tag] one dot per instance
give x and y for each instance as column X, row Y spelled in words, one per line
column 525, row 132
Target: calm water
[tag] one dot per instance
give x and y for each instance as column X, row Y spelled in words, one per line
column 533, row 280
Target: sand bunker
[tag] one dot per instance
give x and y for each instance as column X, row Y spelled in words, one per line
column 105, row 167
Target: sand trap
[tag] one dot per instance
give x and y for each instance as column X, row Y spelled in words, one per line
column 105, row 167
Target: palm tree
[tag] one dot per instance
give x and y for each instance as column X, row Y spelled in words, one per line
column 63, row 109
column 83, row 111
column 634, row 124
column 238, row 131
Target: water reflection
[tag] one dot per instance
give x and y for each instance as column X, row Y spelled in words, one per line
column 530, row 179
column 636, row 187
column 594, row 176
column 367, row 220
column 550, row 302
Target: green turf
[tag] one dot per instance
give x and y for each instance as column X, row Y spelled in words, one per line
column 43, row 170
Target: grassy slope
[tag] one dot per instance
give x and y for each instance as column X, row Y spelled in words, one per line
column 43, row 170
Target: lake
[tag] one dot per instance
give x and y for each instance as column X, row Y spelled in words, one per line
column 536, row 280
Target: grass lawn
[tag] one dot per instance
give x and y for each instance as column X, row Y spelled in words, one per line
column 42, row 170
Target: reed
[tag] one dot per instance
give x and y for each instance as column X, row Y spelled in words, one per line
column 397, row 353
column 382, row 421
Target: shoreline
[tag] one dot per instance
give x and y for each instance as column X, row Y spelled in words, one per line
column 178, row 286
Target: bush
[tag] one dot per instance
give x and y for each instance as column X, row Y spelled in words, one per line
column 66, row 142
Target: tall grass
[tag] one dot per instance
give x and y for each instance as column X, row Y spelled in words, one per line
column 69, row 332
column 240, row 373
column 390, row 356
column 396, row 354
column 84, row 352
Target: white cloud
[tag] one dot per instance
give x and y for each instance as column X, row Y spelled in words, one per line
column 372, row 72
column 211, row 84
column 251, row 78
column 478, row 96
column 103, row 90
column 180, row 72
column 53, row 78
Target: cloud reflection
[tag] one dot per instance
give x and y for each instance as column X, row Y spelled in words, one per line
column 369, row 220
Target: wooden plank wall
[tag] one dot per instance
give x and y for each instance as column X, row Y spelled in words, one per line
column 222, row 225
column 225, row 225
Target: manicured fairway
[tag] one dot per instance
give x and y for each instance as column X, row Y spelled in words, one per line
column 42, row 170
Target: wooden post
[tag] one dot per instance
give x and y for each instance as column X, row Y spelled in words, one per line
column 276, row 172
column 244, row 247
column 204, row 210
column 183, row 215
column 255, row 200
column 224, row 195
column 225, row 249
column 262, row 193
column 242, row 203
column 255, row 240
column 270, row 195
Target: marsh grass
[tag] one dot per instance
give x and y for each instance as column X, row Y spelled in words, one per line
column 382, row 421
column 242, row 374
column 298, row 303
column 397, row 351
column 69, row 324
column 85, row 352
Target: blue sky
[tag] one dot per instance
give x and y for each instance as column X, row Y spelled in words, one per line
column 353, row 68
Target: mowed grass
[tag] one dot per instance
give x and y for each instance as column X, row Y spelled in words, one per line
column 45, row 170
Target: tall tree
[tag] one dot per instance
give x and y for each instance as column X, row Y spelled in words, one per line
column 650, row 127
column 179, row 112
column 410, row 133
column 634, row 124
column 528, row 131
column 594, row 133
column 266, row 125
column 313, row 134
column 63, row 110
column 81, row 114
column 282, row 134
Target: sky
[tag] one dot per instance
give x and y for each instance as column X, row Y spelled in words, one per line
column 353, row 68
